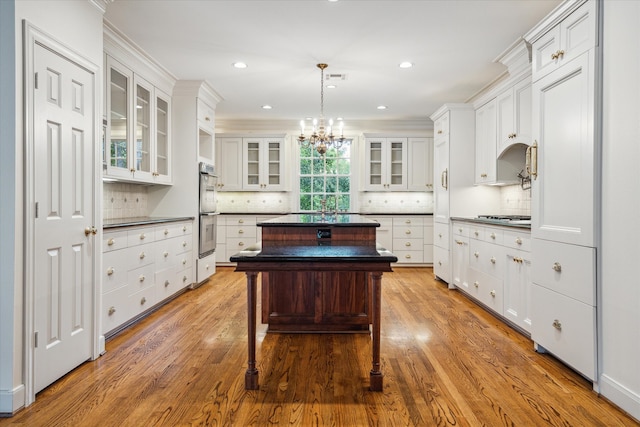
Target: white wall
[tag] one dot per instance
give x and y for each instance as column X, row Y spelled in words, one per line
column 77, row 25
column 620, row 280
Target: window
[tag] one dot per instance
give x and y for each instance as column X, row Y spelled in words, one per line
column 327, row 178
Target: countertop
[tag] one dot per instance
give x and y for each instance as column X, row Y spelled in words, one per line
column 316, row 253
column 510, row 224
column 311, row 220
column 142, row 220
column 341, row 213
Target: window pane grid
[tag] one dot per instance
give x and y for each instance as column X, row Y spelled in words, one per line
column 326, row 179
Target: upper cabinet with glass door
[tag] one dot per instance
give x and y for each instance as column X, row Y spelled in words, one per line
column 138, row 128
column 263, row 164
column 386, row 164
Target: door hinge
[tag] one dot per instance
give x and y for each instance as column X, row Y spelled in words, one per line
column 36, row 80
column 35, row 339
column 36, row 209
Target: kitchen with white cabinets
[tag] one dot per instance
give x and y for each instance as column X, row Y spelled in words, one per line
column 567, row 282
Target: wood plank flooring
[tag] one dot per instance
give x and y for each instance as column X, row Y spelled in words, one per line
column 446, row 362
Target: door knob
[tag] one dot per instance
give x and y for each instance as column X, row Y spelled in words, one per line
column 90, row 230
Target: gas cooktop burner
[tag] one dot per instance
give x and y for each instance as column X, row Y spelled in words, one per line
column 506, row 217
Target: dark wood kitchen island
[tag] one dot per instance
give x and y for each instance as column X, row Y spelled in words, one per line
column 320, row 273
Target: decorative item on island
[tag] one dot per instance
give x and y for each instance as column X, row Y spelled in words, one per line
column 320, row 273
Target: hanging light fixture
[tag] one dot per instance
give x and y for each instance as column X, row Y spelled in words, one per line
column 320, row 138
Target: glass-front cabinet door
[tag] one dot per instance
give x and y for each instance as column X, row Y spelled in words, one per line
column 142, row 140
column 162, row 170
column 120, row 80
column 263, row 164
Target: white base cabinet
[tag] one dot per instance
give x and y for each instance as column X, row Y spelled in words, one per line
column 143, row 266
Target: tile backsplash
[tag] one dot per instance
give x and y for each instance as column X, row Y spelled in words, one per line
column 242, row 202
column 124, row 200
column 514, row 200
column 395, row 202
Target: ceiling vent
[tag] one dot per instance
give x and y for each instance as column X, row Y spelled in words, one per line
column 332, row 77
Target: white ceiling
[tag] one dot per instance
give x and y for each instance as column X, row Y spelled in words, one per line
column 453, row 44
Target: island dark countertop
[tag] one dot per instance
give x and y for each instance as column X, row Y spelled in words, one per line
column 322, row 252
column 317, row 219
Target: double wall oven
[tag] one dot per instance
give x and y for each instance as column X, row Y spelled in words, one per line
column 208, row 214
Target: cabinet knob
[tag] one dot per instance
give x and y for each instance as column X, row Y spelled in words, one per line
column 407, row 232
column 166, row 231
column 143, row 300
column 110, row 271
column 407, row 256
column 166, row 254
column 184, row 228
column 440, row 235
column 408, row 221
column 206, row 267
column 408, row 244
column 439, row 131
column 483, row 175
column 184, row 244
column 518, row 241
column 492, row 235
column 111, row 242
column 141, row 278
column 184, row 279
column 440, row 263
column 476, row 254
column 184, row 262
column 459, row 230
column 476, row 233
column 142, row 236
column 241, row 221
column 142, row 255
column 493, row 293
column 476, row 284
column 241, row 244
column 166, row 283
column 112, row 310
column 240, row 231
column 556, row 324
column 493, row 260
column 557, row 267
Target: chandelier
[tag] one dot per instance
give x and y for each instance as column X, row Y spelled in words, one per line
column 320, row 139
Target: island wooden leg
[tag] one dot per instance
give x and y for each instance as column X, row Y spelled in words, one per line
column 251, row 376
column 375, row 376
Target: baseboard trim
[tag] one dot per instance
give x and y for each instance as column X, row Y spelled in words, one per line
column 621, row 396
column 12, row 400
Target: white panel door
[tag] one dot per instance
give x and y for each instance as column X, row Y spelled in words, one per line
column 64, row 144
column 563, row 116
column 441, row 179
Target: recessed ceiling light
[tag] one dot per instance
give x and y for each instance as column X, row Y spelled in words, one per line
column 406, row 64
column 240, row 65
column 382, row 107
column 266, row 107
column 332, row 1
column 331, row 86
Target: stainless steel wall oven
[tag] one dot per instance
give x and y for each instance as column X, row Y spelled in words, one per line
column 208, row 214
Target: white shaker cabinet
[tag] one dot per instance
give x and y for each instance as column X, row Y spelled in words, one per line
column 486, row 143
column 514, row 115
column 385, row 164
column 229, row 163
column 565, row 185
column 420, row 164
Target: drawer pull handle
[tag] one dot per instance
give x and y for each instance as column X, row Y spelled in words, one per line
column 240, row 231
column 142, row 236
column 143, row 300
column 141, row 278
column 184, row 244
column 184, row 279
column 166, row 231
column 408, row 244
column 407, row 256
column 557, row 267
column 166, row 283
column 184, row 262
column 112, row 310
column 241, row 244
column 493, row 293
column 111, row 242
column 142, row 255
column 556, row 324
column 166, row 254
column 241, row 221
column 492, row 235
column 493, row 260
column 459, row 242
column 408, row 221
column 517, row 259
column 476, row 284
column 476, row 233
column 110, row 271
column 184, row 228
column 518, row 240
column 476, row 254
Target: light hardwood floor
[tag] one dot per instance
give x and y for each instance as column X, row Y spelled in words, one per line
column 445, row 360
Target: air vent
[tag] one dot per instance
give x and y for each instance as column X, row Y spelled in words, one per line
column 329, row 77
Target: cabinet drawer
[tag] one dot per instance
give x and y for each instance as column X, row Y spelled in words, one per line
column 441, row 235
column 184, row 260
column 493, row 235
column 140, row 278
column 114, row 240
column 407, row 245
column 115, row 309
column 181, row 245
column 441, row 125
column 460, row 229
column 165, row 253
column 409, row 232
column 247, row 231
column 114, row 270
column 205, row 114
column 206, row 267
column 171, row 230
column 441, row 263
column 138, row 256
column 487, row 289
column 142, row 300
column 165, row 280
column 517, row 240
column 488, row 258
column 184, row 278
column 236, row 245
column 240, row 220
column 567, row 269
column 140, row 236
column 385, row 222
column 564, row 327
column 476, row 232
column 409, row 257
column 406, row 221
